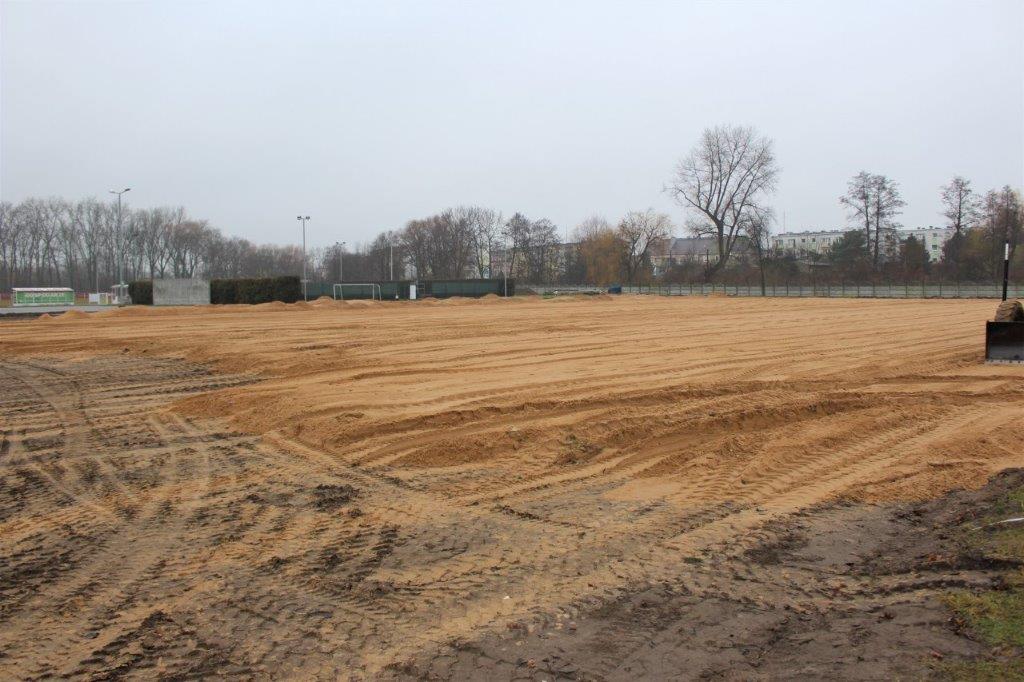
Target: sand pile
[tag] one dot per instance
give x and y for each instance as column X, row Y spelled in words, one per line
column 324, row 302
column 1010, row 311
column 132, row 311
column 74, row 315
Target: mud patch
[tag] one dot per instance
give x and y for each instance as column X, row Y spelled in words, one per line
column 327, row 497
column 842, row 591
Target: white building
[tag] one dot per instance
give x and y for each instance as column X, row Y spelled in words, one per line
column 801, row 243
column 805, row 243
column 932, row 237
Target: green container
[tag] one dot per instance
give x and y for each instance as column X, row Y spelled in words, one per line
column 48, row 296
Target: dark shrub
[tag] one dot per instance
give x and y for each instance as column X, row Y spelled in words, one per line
column 287, row 289
column 141, row 292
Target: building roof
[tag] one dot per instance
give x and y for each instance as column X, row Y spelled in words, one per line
column 680, row 246
column 43, row 289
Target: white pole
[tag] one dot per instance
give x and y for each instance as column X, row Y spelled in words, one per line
column 118, row 245
column 305, row 297
column 391, row 257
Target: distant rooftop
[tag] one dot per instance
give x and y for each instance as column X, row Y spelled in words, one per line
column 804, row 233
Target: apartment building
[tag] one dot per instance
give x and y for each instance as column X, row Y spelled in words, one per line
column 819, row 242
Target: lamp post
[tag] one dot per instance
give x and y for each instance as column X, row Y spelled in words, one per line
column 340, row 246
column 305, row 297
column 391, row 259
column 119, row 247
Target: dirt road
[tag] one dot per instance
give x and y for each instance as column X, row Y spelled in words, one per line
column 361, row 489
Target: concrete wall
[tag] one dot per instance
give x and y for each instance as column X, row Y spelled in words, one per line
column 181, row 292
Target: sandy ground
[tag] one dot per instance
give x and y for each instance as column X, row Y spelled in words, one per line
column 361, row 490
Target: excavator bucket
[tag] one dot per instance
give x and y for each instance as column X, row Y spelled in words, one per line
column 1004, row 337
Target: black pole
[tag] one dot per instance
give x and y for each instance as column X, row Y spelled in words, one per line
column 1006, row 267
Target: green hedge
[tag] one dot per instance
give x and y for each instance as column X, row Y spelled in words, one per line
column 287, row 289
column 141, row 292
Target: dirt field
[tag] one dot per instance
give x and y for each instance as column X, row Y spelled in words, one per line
column 540, row 489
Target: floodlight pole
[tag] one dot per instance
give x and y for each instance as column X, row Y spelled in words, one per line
column 391, row 258
column 119, row 247
column 305, row 297
column 1006, row 267
column 340, row 246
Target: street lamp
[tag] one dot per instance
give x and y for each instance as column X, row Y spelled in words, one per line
column 391, row 258
column 305, row 297
column 120, row 243
column 340, row 247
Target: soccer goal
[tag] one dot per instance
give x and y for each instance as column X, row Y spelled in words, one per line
column 339, row 290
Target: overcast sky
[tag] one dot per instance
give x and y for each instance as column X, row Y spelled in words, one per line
column 364, row 115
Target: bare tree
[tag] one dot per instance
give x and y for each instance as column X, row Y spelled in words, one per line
column 757, row 228
column 517, row 237
column 728, row 175
column 959, row 204
column 486, row 227
column 874, row 201
column 1002, row 223
column 540, row 252
column 453, row 242
column 886, row 206
column 416, row 239
column 640, row 231
column 858, row 200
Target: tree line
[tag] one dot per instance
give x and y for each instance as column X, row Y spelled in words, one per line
column 982, row 227
column 85, row 245
column 724, row 185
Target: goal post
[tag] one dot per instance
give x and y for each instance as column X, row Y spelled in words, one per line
column 339, row 290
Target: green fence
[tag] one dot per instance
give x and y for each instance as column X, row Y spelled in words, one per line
column 475, row 288
column 437, row 288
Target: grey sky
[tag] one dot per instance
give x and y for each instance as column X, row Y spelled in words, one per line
column 365, row 115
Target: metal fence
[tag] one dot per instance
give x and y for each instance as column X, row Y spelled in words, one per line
column 437, row 288
column 950, row 290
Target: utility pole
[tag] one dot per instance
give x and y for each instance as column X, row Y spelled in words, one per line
column 305, row 297
column 119, row 246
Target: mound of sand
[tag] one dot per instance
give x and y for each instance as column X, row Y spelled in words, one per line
column 74, row 315
column 1010, row 311
column 132, row 311
column 324, row 302
column 272, row 305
